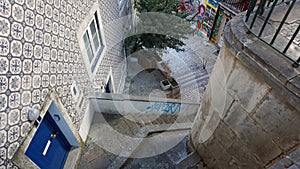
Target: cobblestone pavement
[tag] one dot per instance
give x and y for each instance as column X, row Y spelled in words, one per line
column 187, row 69
column 192, row 67
column 145, row 83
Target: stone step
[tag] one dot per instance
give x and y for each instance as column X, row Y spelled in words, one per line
column 190, row 161
column 169, row 127
column 121, row 124
column 119, row 161
column 156, row 119
column 187, row 75
column 200, row 81
column 194, row 79
column 122, row 158
column 165, row 159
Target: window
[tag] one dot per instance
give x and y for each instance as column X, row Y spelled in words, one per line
column 92, row 41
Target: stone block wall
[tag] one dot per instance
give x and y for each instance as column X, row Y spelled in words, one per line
column 248, row 117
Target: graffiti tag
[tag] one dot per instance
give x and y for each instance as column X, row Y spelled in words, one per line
column 164, row 107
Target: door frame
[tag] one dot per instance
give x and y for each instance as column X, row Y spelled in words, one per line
column 111, row 79
column 74, row 154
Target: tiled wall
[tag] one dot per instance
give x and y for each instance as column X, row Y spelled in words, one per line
column 39, row 51
column 114, row 28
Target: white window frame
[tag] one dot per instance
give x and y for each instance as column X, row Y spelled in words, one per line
column 90, row 37
column 96, row 52
column 93, row 65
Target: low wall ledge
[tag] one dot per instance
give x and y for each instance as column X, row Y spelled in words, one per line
column 272, row 66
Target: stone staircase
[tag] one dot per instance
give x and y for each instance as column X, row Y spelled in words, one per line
column 131, row 124
column 126, row 116
column 185, row 69
column 182, row 156
column 189, row 73
column 139, row 126
column 186, row 80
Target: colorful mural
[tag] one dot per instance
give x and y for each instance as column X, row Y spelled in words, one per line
column 209, row 17
column 200, row 17
column 189, row 5
column 214, row 3
column 222, row 23
column 215, row 32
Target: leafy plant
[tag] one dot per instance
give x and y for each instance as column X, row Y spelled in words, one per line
column 160, row 25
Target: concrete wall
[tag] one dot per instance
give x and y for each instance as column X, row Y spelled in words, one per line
column 249, row 115
column 127, row 104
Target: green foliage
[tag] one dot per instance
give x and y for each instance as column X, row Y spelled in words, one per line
column 151, row 40
column 159, row 26
column 163, row 6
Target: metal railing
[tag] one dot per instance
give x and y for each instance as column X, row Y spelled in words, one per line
column 236, row 5
column 277, row 33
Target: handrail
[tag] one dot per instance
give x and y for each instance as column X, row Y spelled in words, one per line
column 236, row 5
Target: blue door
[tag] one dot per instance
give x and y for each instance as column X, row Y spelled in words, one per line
column 49, row 147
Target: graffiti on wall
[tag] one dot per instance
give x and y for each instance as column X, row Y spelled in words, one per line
column 196, row 9
column 172, row 108
column 216, row 31
column 200, row 18
column 189, row 5
column 214, row 3
column 209, row 17
column 204, row 16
